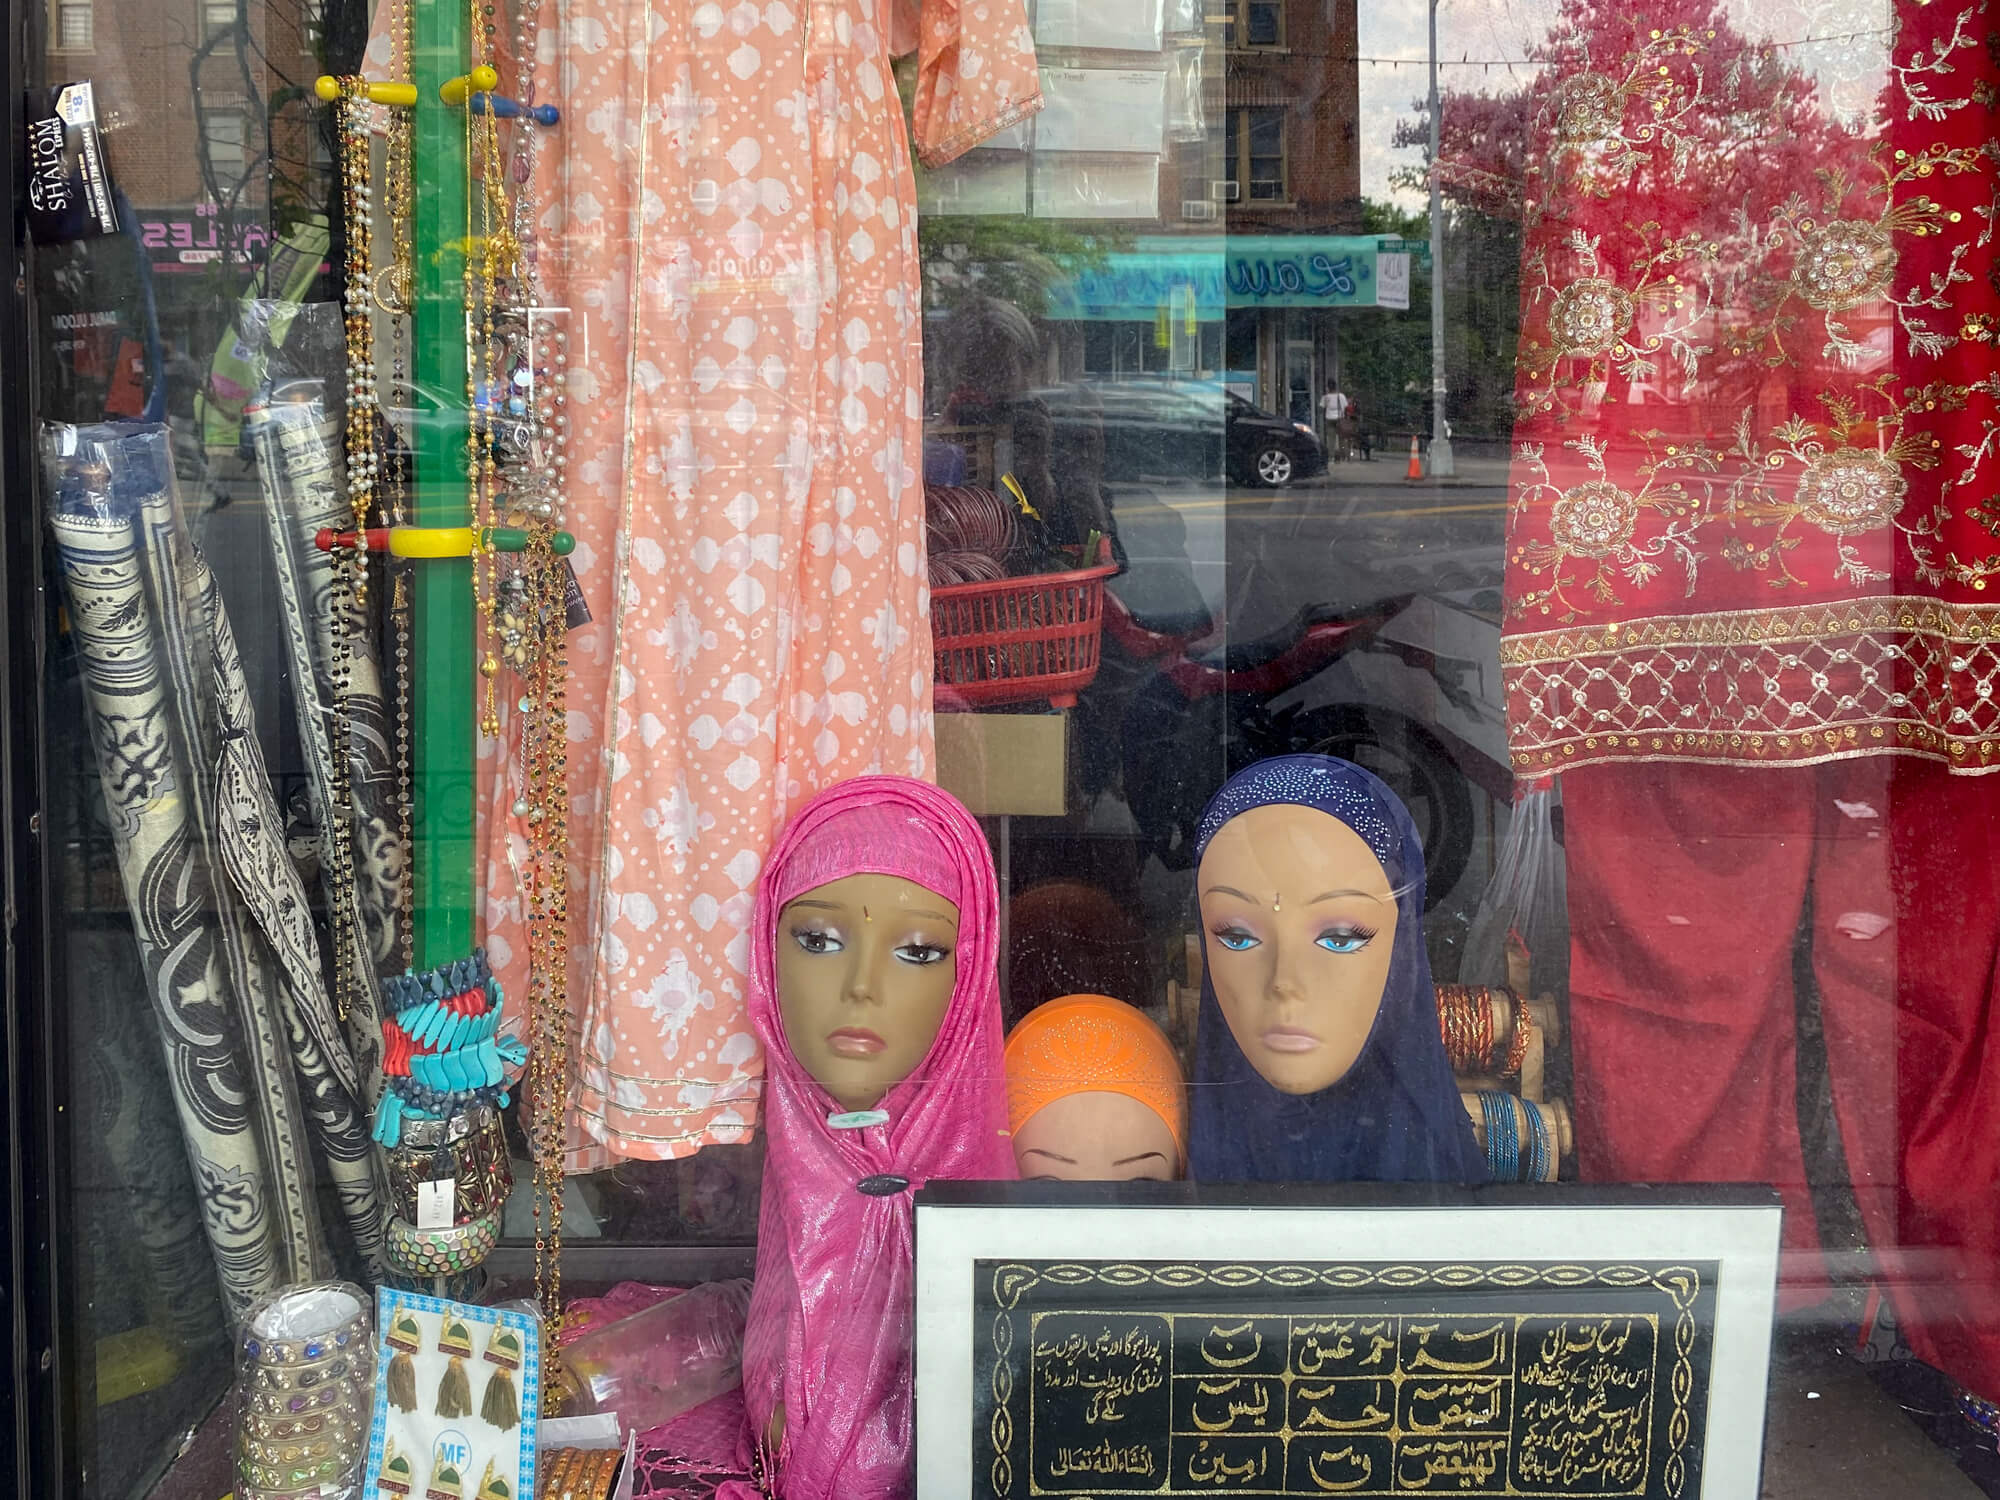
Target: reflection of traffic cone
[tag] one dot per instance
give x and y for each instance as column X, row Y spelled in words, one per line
column 1416, row 469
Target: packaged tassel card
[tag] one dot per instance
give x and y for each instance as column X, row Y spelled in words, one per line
column 457, row 1393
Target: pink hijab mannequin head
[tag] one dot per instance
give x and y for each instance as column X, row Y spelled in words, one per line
column 831, row 1319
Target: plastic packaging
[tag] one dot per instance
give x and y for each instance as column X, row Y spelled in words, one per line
column 457, row 1393
column 571, row 1448
column 1115, row 25
column 1102, row 110
column 656, row 1364
column 1525, row 900
column 1187, row 113
column 1096, row 185
column 304, row 1362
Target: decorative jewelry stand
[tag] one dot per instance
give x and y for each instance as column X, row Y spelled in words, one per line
column 459, row 512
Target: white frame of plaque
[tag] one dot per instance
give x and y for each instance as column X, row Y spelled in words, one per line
column 958, row 1224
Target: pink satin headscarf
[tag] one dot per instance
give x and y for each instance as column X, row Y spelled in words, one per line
column 832, row 1316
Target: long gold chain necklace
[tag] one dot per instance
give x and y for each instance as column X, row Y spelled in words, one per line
column 515, row 370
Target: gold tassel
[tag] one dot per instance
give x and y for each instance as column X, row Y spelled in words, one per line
column 501, row 1408
column 455, row 1391
column 402, row 1383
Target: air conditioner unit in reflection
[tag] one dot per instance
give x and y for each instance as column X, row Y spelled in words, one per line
column 1198, row 208
column 1223, row 190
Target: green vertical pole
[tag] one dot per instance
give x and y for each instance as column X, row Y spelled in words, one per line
column 443, row 671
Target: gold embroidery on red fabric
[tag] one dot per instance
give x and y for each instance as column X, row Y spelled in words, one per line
column 1599, row 318
column 1804, row 352
column 1597, row 521
column 1905, row 674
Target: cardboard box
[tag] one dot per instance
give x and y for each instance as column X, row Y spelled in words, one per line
column 1005, row 763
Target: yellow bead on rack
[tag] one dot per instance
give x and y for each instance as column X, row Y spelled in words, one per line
column 395, row 95
column 455, row 91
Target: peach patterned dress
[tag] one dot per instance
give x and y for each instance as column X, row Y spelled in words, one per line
column 732, row 222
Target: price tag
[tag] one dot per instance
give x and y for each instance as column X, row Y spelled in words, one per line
column 437, row 1203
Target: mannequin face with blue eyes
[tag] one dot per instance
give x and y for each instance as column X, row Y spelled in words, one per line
column 1299, row 923
column 866, row 966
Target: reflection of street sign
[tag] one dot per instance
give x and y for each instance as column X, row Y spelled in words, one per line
column 1267, row 270
column 1419, row 251
column 1392, row 280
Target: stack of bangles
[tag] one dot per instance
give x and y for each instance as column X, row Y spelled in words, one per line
column 441, row 1046
column 303, row 1420
column 1465, row 1021
column 442, row 1252
column 580, row 1473
column 468, row 1150
column 1505, row 1161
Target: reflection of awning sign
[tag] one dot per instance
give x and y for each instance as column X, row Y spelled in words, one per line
column 1198, row 277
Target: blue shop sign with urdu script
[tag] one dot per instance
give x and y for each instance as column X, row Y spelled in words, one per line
column 1221, row 272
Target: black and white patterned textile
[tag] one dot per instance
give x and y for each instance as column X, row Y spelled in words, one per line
column 266, row 1086
column 297, row 442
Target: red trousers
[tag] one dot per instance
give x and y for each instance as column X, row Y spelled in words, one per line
column 1688, row 888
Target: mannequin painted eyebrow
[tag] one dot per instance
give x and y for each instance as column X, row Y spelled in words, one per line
column 1068, row 1161
column 1230, row 890
column 1126, row 1161
column 915, row 911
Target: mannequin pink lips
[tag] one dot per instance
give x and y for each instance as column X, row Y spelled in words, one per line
column 854, row 1041
column 1290, row 1039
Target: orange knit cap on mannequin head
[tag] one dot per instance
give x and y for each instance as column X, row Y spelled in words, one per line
column 1076, row 1068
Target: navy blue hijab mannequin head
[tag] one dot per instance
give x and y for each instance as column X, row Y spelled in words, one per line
column 1395, row 1116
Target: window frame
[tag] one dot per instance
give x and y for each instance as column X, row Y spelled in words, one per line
column 1236, row 26
column 1237, row 151
column 59, row 12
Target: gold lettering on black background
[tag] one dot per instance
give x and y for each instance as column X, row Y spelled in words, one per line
column 1181, row 1381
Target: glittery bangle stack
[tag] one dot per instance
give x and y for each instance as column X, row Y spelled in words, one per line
column 469, row 1149
column 580, row 1473
column 303, row 1391
column 1467, row 1022
column 442, row 1252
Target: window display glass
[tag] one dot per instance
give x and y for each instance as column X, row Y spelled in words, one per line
column 661, row 623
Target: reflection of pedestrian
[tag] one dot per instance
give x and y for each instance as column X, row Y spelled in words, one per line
column 1334, row 408
column 1357, row 433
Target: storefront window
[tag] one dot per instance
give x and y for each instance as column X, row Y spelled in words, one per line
column 1517, row 477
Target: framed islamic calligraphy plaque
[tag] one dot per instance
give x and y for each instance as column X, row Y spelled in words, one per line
column 1096, row 1340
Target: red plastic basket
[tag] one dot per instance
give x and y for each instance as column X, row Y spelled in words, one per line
column 1023, row 638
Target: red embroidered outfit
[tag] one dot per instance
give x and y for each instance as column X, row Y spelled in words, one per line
column 1754, row 523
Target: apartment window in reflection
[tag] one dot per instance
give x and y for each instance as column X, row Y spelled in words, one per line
column 1254, row 23
column 1255, row 152
column 226, row 134
column 76, row 25
column 217, row 16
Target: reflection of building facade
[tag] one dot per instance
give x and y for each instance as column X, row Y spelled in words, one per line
column 213, row 139
column 1291, row 151
column 205, row 116
column 1280, row 157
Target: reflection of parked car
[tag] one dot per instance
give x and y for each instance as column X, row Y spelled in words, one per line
column 1172, row 429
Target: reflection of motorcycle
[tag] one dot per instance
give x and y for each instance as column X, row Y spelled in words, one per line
column 1192, row 715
